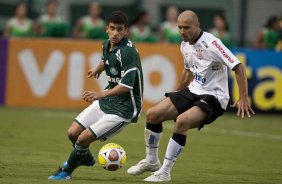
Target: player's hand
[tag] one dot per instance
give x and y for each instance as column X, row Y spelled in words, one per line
column 93, row 73
column 243, row 107
column 91, row 96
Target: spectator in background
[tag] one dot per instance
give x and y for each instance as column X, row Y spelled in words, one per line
column 268, row 37
column 92, row 25
column 168, row 29
column 50, row 24
column 19, row 25
column 140, row 30
column 221, row 30
column 279, row 44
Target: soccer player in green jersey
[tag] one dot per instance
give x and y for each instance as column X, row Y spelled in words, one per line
column 115, row 107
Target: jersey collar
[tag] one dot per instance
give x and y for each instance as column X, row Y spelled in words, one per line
column 117, row 46
column 201, row 33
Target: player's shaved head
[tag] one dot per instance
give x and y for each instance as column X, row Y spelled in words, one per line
column 188, row 16
column 188, row 25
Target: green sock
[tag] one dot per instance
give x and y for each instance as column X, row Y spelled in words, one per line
column 88, row 156
column 77, row 155
column 73, row 144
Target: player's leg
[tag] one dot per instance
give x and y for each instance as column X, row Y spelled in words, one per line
column 80, row 152
column 205, row 110
column 165, row 110
column 87, row 117
column 192, row 118
column 83, row 121
column 74, row 131
column 107, row 126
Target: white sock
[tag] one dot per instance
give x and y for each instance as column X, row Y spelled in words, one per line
column 172, row 152
column 152, row 141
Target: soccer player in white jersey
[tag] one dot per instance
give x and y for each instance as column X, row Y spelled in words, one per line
column 202, row 96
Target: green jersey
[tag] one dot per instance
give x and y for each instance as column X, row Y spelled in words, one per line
column 20, row 29
column 123, row 66
column 171, row 32
column 56, row 27
column 141, row 36
column 93, row 31
column 270, row 38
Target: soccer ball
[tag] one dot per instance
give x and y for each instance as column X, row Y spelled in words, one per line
column 112, row 157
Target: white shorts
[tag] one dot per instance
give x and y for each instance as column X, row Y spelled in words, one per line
column 100, row 124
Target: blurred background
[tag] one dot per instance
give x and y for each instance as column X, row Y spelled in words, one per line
column 47, row 47
column 244, row 17
column 50, row 44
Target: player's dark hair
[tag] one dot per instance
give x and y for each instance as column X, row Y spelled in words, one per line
column 118, row 17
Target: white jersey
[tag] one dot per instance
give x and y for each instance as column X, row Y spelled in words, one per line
column 208, row 60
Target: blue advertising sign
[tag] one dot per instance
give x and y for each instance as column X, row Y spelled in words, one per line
column 264, row 73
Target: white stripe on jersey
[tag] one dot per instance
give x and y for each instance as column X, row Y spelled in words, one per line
column 118, row 55
column 130, row 70
column 134, row 104
column 131, row 91
column 130, row 87
column 208, row 60
column 141, row 92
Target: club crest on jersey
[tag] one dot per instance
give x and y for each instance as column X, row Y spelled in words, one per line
column 199, row 53
column 113, row 71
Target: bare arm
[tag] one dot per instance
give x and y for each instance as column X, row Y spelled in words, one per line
column 185, row 79
column 258, row 41
column 37, row 27
column 7, row 31
column 95, row 72
column 242, row 104
column 161, row 34
column 77, row 33
column 90, row 96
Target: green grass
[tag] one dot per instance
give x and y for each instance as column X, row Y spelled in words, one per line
column 33, row 143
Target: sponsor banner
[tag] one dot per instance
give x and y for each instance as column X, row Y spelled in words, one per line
column 3, row 60
column 53, row 73
column 264, row 73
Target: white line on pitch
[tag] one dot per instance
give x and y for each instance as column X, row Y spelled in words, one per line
column 243, row 133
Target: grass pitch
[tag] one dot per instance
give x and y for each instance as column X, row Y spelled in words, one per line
column 33, row 143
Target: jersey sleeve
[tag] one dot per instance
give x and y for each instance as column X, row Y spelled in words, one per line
column 219, row 52
column 130, row 68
